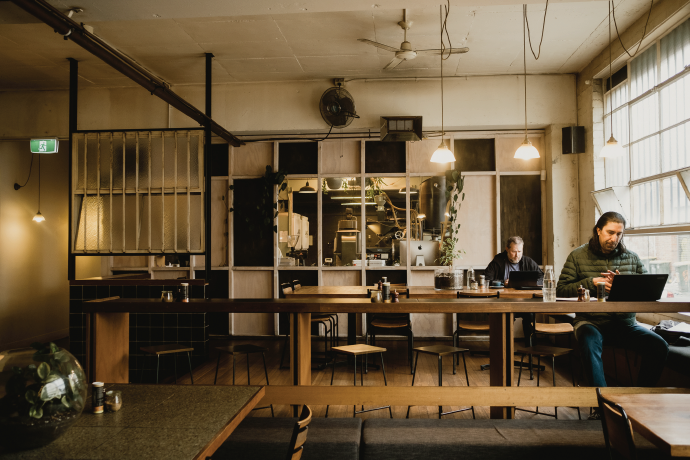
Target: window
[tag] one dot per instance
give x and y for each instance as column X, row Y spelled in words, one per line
column 650, row 116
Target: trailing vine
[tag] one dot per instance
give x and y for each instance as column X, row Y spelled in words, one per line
column 455, row 184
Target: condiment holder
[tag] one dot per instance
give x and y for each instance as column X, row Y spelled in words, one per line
column 167, row 296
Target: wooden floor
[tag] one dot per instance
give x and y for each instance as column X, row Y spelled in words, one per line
column 397, row 372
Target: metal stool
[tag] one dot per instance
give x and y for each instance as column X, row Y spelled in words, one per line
column 245, row 349
column 441, row 351
column 167, row 349
column 361, row 350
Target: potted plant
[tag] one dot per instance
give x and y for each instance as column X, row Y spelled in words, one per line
column 42, row 393
column 451, row 277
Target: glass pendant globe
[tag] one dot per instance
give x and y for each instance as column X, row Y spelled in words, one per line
column 612, row 149
column 442, row 154
column 526, row 151
column 39, row 217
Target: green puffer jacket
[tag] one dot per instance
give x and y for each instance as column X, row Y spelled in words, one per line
column 582, row 266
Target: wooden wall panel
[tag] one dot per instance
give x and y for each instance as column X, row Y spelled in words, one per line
column 420, row 154
column 341, row 157
column 477, row 218
column 421, row 278
column 521, row 212
column 343, row 278
column 253, row 284
column 251, row 159
column 505, row 150
column 219, row 223
column 475, row 155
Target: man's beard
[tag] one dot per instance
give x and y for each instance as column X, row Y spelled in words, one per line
column 513, row 261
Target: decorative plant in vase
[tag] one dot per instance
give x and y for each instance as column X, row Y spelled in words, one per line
column 451, row 278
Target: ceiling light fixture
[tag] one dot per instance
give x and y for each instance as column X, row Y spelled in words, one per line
column 526, row 151
column 612, row 149
column 443, row 153
column 39, row 217
column 421, row 216
column 413, row 190
column 307, row 189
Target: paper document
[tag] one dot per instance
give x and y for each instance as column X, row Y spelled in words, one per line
column 572, row 299
column 680, row 327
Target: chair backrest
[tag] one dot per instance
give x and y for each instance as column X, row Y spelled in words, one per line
column 618, row 432
column 299, row 435
column 296, row 285
column 285, row 289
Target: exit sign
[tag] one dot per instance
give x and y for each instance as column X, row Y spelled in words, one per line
column 44, row 145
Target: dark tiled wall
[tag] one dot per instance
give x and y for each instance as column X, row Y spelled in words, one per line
column 145, row 329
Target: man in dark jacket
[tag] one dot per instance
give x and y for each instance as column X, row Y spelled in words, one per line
column 510, row 260
column 599, row 261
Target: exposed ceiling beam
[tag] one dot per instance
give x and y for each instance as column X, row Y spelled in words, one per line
column 120, row 62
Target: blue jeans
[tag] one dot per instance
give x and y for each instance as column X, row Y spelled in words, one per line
column 649, row 345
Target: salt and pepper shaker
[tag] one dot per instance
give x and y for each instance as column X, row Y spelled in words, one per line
column 396, row 296
column 581, row 294
column 380, row 285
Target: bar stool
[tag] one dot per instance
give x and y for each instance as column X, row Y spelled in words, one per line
column 440, row 351
column 388, row 324
column 245, row 349
column 361, row 350
column 168, row 349
column 335, row 336
column 546, row 351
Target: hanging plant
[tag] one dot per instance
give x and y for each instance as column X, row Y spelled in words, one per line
column 261, row 216
column 455, row 184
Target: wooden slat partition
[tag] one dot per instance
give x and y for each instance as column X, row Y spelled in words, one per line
column 447, row 396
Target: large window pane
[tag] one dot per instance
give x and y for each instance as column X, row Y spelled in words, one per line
column 644, row 119
column 676, row 205
column 669, row 254
column 674, row 148
column 617, row 170
column 620, row 126
column 617, row 97
column 645, row 158
column 675, row 102
column 675, row 51
column 385, row 224
column 342, row 220
column 645, row 202
column 643, row 72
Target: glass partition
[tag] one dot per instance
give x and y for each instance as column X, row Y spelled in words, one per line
column 341, row 221
column 386, row 220
column 298, row 222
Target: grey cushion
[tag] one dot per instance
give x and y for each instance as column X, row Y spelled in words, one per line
column 487, row 439
column 268, row 438
column 678, row 359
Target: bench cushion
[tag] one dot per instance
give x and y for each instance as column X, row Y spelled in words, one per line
column 678, row 359
column 268, row 438
column 488, row 439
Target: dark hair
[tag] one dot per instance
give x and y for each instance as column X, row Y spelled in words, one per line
column 601, row 223
column 514, row 240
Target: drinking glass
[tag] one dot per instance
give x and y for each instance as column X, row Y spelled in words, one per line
column 549, row 287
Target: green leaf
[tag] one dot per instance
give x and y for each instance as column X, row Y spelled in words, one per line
column 463, row 197
column 455, row 175
column 283, row 187
column 54, row 348
column 65, row 402
column 36, row 412
column 43, row 370
column 30, row 396
column 38, row 346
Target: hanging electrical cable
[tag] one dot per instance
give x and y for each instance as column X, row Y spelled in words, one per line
column 16, row 185
column 444, row 27
column 644, row 31
column 529, row 34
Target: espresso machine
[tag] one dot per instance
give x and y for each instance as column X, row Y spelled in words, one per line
column 347, row 245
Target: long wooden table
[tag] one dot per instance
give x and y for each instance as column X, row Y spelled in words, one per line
column 109, row 325
column 664, row 419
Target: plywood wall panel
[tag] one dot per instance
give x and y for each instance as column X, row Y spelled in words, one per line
column 477, row 218
column 251, row 159
column 420, row 156
column 253, row 284
column 341, row 157
column 521, row 212
column 421, row 278
column 342, row 278
column 505, row 150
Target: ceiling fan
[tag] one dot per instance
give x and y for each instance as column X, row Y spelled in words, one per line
column 405, row 52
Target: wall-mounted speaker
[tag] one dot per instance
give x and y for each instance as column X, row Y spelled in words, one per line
column 573, row 139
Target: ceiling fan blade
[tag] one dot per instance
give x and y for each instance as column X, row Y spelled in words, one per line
column 378, row 45
column 437, row 52
column 395, row 62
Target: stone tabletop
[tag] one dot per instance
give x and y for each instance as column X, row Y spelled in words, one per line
column 164, row 422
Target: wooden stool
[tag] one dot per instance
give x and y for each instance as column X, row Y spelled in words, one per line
column 361, row 350
column 441, row 351
column 245, row 349
column 546, row 351
column 166, row 349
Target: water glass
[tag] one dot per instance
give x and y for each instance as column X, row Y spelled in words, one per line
column 549, row 287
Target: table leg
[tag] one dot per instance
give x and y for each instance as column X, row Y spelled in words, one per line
column 300, row 351
column 109, row 347
column 501, row 358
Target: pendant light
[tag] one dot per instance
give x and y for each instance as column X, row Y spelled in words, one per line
column 413, row 190
column 39, row 217
column 612, row 149
column 442, row 153
column 526, row 151
column 307, row 189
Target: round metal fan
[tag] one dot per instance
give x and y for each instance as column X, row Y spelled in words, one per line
column 337, row 107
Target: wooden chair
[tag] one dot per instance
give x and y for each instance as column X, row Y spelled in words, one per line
column 618, row 431
column 469, row 325
column 167, row 349
column 299, row 435
column 391, row 324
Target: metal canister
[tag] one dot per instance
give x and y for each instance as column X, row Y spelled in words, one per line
column 386, row 290
column 601, row 292
column 482, row 281
column 97, row 397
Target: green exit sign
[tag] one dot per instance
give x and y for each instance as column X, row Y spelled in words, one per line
column 44, row 145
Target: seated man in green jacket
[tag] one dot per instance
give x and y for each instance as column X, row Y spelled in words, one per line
column 599, row 261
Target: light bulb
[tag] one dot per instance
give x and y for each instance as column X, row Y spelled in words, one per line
column 612, row 149
column 526, row 151
column 442, row 154
column 39, row 217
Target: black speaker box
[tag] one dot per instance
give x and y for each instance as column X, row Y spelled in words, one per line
column 573, row 139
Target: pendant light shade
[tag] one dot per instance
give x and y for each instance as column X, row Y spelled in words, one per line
column 526, row 151
column 612, row 149
column 307, row 189
column 413, row 190
column 442, row 154
column 39, row 217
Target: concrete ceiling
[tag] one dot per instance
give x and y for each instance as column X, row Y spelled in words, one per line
column 265, row 40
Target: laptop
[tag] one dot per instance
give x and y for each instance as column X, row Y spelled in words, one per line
column 637, row 288
column 527, row 280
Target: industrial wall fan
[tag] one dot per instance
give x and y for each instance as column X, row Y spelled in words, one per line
column 337, row 107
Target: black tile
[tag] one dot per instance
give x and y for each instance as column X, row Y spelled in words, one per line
column 75, row 306
column 76, row 334
column 143, row 334
column 198, row 319
column 197, row 292
column 184, row 320
column 170, row 334
column 103, row 291
column 157, row 334
column 184, row 334
column 116, row 291
column 133, row 347
column 157, row 319
column 143, row 292
column 129, row 292
column 143, row 319
column 198, row 334
column 90, row 292
column 76, row 320
column 133, row 334
column 170, row 320
column 155, row 292
column 75, row 292
column 76, row 348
